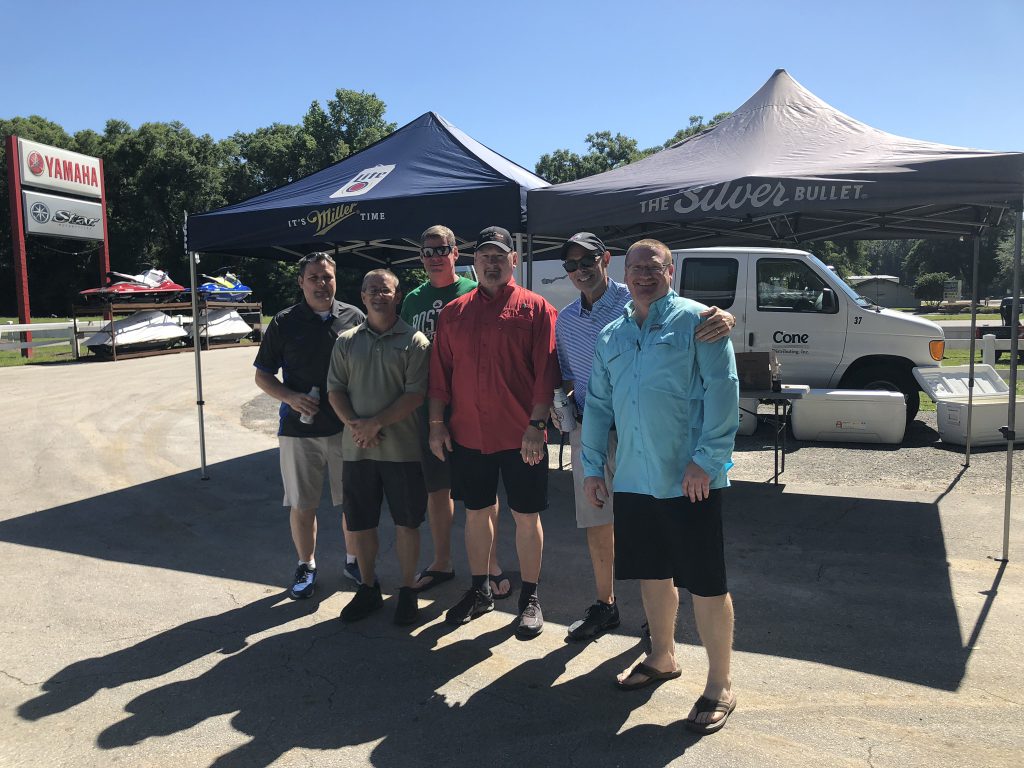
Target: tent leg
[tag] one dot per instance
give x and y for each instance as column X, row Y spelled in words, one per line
column 529, row 261
column 197, row 344
column 1011, row 410
column 970, row 357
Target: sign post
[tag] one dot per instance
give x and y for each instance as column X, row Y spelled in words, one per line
column 18, row 238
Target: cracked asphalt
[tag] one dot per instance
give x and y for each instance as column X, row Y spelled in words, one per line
column 145, row 622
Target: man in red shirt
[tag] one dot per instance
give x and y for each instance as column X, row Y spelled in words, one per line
column 494, row 362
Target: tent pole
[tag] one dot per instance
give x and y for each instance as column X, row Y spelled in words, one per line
column 970, row 357
column 1011, row 409
column 529, row 258
column 197, row 343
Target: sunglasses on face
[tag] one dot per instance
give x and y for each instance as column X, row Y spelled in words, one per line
column 439, row 250
column 587, row 262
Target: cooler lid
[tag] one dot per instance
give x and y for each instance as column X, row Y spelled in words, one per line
column 951, row 381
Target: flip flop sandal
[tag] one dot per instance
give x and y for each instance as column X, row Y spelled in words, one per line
column 705, row 704
column 653, row 676
column 496, row 580
column 436, row 577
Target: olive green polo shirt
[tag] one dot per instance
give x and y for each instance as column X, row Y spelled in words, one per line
column 374, row 370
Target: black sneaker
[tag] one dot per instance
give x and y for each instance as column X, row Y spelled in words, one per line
column 531, row 620
column 408, row 610
column 474, row 603
column 600, row 617
column 366, row 600
column 304, row 583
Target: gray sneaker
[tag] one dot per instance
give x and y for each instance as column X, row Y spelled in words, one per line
column 600, row 617
column 531, row 620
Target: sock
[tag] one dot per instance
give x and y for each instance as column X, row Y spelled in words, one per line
column 350, row 559
column 528, row 589
column 482, row 583
column 311, row 563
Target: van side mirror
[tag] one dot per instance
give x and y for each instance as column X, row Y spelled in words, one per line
column 828, row 300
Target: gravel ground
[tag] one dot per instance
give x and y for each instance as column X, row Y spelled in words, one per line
column 921, row 463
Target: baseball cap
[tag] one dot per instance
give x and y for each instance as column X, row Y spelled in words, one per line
column 498, row 236
column 587, row 240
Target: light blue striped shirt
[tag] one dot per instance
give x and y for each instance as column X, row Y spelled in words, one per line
column 576, row 332
column 673, row 400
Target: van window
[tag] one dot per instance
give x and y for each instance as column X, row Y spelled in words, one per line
column 710, row 281
column 787, row 285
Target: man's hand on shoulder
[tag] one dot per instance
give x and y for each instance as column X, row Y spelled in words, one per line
column 716, row 326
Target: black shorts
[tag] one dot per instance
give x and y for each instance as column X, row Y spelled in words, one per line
column 437, row 474
column 671, row 539
column 367, row 483
column 475, row 479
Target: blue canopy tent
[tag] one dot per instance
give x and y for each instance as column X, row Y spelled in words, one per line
column 371, row 206
column 375, row 203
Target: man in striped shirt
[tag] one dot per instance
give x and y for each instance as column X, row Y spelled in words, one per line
column 601, row 301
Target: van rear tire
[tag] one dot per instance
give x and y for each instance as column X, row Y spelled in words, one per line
column 877, row 377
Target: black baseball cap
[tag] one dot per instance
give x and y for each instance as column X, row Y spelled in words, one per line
column 498, row 236
column 587, row 240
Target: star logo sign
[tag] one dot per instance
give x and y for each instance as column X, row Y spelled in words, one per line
column 40, row 212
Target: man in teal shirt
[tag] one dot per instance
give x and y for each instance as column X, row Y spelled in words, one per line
column 675, row 406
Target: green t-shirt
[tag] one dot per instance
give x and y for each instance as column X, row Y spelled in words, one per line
column 423, row 304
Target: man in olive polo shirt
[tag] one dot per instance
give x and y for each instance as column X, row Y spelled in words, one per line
column 377, row 380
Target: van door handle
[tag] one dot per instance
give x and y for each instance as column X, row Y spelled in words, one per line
column 750, row 339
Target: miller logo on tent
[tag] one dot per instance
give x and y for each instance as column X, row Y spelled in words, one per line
column 364, row 181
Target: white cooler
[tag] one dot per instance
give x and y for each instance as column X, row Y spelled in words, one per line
column 850, row 416
column 947, row 386
column 748, row 416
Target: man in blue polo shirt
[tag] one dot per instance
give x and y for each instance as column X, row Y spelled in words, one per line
column 298, row 342
column 675, row 404
column 601, row 301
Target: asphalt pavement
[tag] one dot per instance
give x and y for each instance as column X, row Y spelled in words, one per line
column 145, row 621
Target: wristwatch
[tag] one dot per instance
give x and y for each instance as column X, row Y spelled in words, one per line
column 539, row 424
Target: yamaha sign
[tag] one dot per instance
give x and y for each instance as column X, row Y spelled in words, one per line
column 62, row 216
column 48, row 167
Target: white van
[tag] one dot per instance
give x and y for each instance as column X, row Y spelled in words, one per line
column 824, row 332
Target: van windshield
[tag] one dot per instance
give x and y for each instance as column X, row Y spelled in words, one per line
column 860, row 300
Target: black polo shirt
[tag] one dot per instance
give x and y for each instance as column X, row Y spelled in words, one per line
column 298, row 342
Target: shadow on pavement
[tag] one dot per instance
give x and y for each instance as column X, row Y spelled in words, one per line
column 853, row 583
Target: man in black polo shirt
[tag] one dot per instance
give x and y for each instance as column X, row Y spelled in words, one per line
column 298, row 342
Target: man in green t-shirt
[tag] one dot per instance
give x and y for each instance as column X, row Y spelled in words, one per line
column 420, row 309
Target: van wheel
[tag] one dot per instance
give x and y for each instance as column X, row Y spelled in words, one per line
column 876, row 377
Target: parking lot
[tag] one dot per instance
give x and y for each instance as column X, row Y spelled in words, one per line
column 146, row 622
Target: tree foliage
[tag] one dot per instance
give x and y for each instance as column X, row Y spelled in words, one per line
column 156, row 172
column 929, row 286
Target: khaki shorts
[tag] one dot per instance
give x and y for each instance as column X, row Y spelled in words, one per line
column 303, row 461
column 587, row 515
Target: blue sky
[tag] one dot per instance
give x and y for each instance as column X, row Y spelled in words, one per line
column 524, row 78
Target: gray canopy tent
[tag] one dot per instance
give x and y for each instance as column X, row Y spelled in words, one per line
column 787, row 168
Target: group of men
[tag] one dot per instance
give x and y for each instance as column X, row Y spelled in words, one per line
column 435, row 397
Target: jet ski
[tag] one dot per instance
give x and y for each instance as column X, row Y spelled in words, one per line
column 221, row 326
column 226, row 287
column 153, row 285
column 142, row 331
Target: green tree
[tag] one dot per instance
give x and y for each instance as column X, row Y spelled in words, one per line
column 606, row 152
column 697, row 125
column 929, row 286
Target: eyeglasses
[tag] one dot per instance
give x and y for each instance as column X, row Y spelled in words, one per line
column 491, row 258
column 437, row 250
column 637, row 270
column 585, row 262
column 375, row 292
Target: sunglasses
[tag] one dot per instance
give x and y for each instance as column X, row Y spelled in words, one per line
column 587, row 262
column 440, row 250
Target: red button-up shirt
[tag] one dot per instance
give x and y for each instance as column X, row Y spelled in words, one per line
column 493, row 359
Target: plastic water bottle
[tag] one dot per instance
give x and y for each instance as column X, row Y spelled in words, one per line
column 315, row 394
column 564, row 410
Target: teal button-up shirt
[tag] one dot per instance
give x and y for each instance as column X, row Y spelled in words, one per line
column 671, row 399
